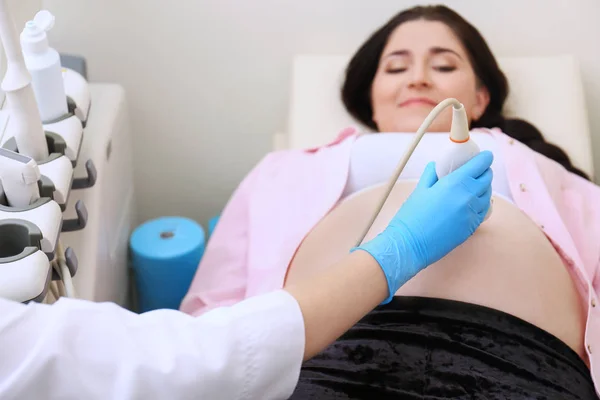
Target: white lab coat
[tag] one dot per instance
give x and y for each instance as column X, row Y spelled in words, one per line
column 77, row 349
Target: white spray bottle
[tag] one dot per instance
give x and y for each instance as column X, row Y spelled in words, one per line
column 461, row 147
column 24, row 124
column 43, row 63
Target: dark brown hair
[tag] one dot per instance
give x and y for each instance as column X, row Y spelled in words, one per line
column 360, row 72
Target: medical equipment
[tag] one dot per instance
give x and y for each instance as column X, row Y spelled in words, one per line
column 45, row 214
column 101, row 199
column 79, row 99
column 25, row 116
column 36, row 176
column 461, row 151
column 27, row 272
column 43, row 63
column 31, row 227
column 19, row 175
column 102, row 247
column 461, row 148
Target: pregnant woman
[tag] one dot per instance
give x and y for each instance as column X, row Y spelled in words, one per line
column 511, row 313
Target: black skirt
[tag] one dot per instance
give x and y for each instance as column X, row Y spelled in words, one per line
column 424, row 348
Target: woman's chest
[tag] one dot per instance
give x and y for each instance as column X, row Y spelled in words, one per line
column 375, row 157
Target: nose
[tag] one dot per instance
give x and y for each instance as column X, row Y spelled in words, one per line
column 419, row 77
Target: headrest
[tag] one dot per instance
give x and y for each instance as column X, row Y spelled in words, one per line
column 545, row 91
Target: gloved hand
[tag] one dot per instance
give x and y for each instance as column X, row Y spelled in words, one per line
column 436, row 218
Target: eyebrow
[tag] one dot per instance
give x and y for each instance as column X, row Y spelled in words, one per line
column 433, row 50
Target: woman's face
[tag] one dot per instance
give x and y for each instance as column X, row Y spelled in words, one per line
column 422, row 64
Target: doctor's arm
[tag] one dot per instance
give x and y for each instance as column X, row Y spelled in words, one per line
column 76, row 349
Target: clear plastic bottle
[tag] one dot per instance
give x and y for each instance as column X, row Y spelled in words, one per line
column 43, row 63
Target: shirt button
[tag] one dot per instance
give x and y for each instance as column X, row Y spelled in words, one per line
column 589, row 347
column 511, row 141
column 594, row 303
column 522, row 187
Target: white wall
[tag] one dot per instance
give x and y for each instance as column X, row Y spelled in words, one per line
column 208, row 81
column 23, row 10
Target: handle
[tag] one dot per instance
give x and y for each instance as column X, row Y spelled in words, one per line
column 71, row 225
column 90, row 180
column 72, row 264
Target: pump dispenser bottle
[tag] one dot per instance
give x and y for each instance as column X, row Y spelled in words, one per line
column 461, row 149
column 43, row 63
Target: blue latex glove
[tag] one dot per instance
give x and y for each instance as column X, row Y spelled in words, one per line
column 436, row 218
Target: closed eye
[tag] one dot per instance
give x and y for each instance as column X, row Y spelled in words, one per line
column 396, row 70
column 445, row 69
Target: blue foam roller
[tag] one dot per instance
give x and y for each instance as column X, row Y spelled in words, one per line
column 165, row 255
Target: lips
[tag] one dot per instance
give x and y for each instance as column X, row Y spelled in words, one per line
column 417, row 101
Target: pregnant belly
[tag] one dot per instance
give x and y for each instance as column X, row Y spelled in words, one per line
column 508, row 264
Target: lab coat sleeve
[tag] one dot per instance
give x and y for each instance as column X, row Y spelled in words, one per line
column 76, row 349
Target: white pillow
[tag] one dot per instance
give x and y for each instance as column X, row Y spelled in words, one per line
column 546, row 91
